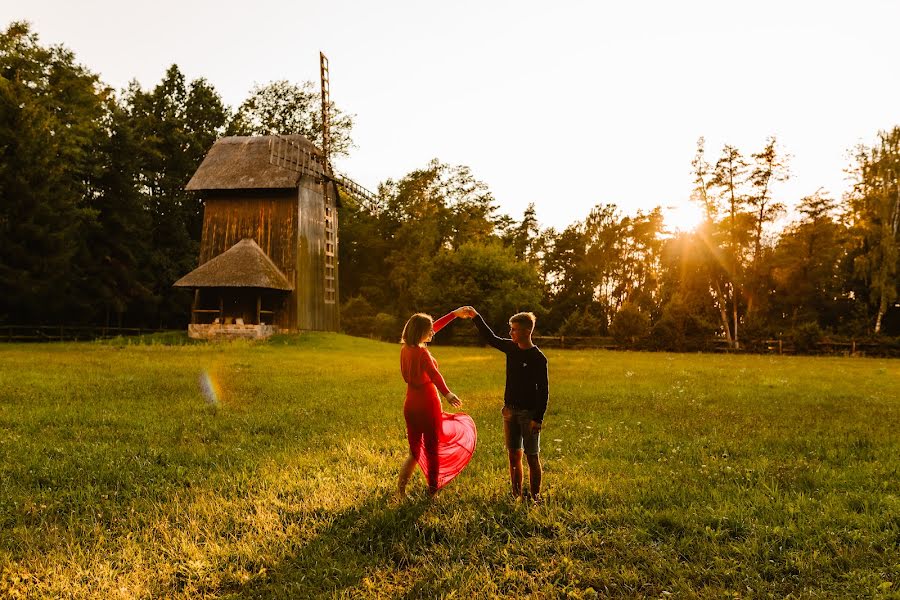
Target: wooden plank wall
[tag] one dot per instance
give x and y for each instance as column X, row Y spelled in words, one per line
column 290, row 229
column 312, row 311
column 270, row 219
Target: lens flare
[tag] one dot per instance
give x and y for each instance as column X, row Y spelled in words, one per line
column 209, row 388
column 684, row 217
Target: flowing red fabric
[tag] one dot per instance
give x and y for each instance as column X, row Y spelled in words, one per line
column 442, row 443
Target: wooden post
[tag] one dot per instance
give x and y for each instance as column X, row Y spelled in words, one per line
column 258, row 308
column 221, row 310
column 194, row 306
column 779, row 347
column 853, row 348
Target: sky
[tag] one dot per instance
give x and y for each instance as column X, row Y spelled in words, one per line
column 565, row 104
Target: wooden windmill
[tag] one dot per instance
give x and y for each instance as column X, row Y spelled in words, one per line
column 281, row 193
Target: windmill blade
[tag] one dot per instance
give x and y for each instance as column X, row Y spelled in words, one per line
column 325, row 87
column 288, row 154
column 354, row 189
column 367, row 198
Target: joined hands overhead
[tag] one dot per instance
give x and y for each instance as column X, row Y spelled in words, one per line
column 465, row 312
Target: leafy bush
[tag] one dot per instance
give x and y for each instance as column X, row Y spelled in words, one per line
column 753, row 335
column 629, row 325
column 666, row 334
column 806, row 336
column 487, row 276
column 582, row 323
column 386, row 327
column 681, row 328
column 357, row 317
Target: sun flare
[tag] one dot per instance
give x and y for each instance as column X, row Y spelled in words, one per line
column 209, row 388
column 683, row 217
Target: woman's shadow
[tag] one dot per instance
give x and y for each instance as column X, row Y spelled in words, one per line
column 380, row 532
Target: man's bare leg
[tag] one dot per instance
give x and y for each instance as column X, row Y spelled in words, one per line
column 515, row 472
column 535, row 474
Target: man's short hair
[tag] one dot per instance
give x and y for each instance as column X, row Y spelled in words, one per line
column 526, row 319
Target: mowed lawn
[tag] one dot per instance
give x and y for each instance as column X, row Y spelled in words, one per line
column 677, row 475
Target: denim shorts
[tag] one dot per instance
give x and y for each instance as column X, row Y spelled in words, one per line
column 517, row 430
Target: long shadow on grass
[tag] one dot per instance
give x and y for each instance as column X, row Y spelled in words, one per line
column 379, row 533
column 388, row 549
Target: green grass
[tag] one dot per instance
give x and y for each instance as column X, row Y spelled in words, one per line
column 697, row 475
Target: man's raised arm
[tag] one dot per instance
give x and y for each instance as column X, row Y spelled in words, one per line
column 501, row 344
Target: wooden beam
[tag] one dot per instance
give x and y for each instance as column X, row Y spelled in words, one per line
column 195, row 305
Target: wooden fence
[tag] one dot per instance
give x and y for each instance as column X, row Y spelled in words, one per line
column 544, row 341
column 67, row 333
column 715, row 345
column 71, row 333
column 851, row 348
column 575, row 341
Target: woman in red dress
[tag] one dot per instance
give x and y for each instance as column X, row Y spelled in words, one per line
column 441, row 443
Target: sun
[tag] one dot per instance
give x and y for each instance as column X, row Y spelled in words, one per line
column 684, row 216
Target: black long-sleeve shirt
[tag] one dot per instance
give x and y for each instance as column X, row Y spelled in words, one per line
column 527, row 382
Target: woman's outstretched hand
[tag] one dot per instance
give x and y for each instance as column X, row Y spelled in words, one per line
column 465, row 312
column 453, row 399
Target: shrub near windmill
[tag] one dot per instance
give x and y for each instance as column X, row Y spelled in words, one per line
column 268, row 252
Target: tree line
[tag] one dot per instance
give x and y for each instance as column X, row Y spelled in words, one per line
column 433, row 237
column 95, row 226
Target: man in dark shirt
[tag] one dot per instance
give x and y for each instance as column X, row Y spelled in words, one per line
column 525, row 398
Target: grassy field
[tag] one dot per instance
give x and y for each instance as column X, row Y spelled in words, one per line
column 666, row 475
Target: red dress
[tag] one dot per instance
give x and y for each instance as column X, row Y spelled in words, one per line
column 442, row 443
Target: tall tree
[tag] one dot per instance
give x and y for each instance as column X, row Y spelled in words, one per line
column 117, row 242
column 50, row 110
column 603, row 236
column 393, row 242
column 875, row 210
column 486, row 275
column 769, row 167
column 363, row 249
column 728, row 179
column 178, row 122
column 688, row 310
column 283, row 107
column 524, row 236
column 640, row 248
column 806, row 264
column 569, row 281
column 709, row 233
column 596, row 266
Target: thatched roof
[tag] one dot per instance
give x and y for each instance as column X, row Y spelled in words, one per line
column 243, row 265
column 241, row 163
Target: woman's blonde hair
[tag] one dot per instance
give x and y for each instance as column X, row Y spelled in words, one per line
column 416, row 329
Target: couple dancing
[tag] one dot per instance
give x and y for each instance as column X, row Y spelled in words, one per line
column 442, row 443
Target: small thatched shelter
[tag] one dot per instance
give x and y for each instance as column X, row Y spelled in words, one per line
column 243, row 284
column 269, row 235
